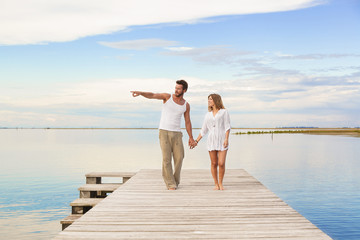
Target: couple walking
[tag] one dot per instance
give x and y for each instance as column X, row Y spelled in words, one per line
column 216, row 123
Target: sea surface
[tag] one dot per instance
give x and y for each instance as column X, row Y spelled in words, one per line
column 41, row 169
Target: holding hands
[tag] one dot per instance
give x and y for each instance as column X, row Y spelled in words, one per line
column 192, row 143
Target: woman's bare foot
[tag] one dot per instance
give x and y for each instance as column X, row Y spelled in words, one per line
column 216, row 187
column 221, row 187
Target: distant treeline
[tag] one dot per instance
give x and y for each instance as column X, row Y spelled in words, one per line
column 267, row 132
column 313, row 131
column 297, row 127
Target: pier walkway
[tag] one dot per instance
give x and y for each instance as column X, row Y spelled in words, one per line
column 142, row 208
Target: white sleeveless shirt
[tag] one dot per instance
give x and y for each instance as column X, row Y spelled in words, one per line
column 171, row 115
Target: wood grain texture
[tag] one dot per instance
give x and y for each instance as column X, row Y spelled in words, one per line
column 99, row 187
column 85, row 202
column 143, row 208
column 110, row 174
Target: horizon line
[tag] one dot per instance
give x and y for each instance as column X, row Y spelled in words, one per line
column 153, row 128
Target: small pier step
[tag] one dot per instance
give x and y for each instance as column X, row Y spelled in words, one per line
column 93, row 192
column 67, row 221
column 82, row 205
column 97, row 190
column 85, row 202
column 108, row 187
column 95, row 177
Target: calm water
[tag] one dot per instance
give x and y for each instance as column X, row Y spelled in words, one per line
column 42, row 169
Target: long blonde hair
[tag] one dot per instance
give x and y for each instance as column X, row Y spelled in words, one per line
column 217, row 101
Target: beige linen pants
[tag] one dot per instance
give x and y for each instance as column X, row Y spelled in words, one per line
column 171, row 146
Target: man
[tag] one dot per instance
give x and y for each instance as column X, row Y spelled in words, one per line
column 170, row 135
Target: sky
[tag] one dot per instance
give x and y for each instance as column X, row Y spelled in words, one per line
column 281, row 63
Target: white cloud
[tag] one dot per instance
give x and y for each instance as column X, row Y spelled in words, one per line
column 140, row 44
column 315, row 56
column 217, row 54
column 253, row 64
column 266, row 101
column 179, row 49
column 90, row 104
column 42, row 21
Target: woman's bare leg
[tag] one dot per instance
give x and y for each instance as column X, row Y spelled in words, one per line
column 214, row 165
column 221, row 162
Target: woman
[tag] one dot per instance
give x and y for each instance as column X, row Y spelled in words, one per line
column 217, row 123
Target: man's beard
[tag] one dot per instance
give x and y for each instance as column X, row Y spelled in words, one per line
column 179, row 95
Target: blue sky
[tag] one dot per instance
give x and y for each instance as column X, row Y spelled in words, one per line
column 276, row 63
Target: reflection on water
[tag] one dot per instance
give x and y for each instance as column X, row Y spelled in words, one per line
column 41, row 170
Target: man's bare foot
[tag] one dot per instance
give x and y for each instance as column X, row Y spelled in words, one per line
column 221, row 187
column 171, row 188
column 216, row 187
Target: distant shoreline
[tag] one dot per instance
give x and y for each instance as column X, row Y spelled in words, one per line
column 353, row 132
column 278, row 129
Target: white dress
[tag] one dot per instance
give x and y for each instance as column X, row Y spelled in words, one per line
column 217, row 127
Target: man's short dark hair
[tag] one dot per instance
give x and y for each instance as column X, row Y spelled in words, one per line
column 183, row 83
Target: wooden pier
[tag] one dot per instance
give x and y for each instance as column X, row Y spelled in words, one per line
column 142, row 208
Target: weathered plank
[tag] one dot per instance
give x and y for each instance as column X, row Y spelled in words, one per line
column 83, row 205
column 70, row 219
column 96, row 177
column 144, row 209
column 110, row 174
column 100, row 187
column 85, row 202
column 67, row 221
column 97, row 190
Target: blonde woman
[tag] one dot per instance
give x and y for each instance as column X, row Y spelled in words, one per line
column 217, row 124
